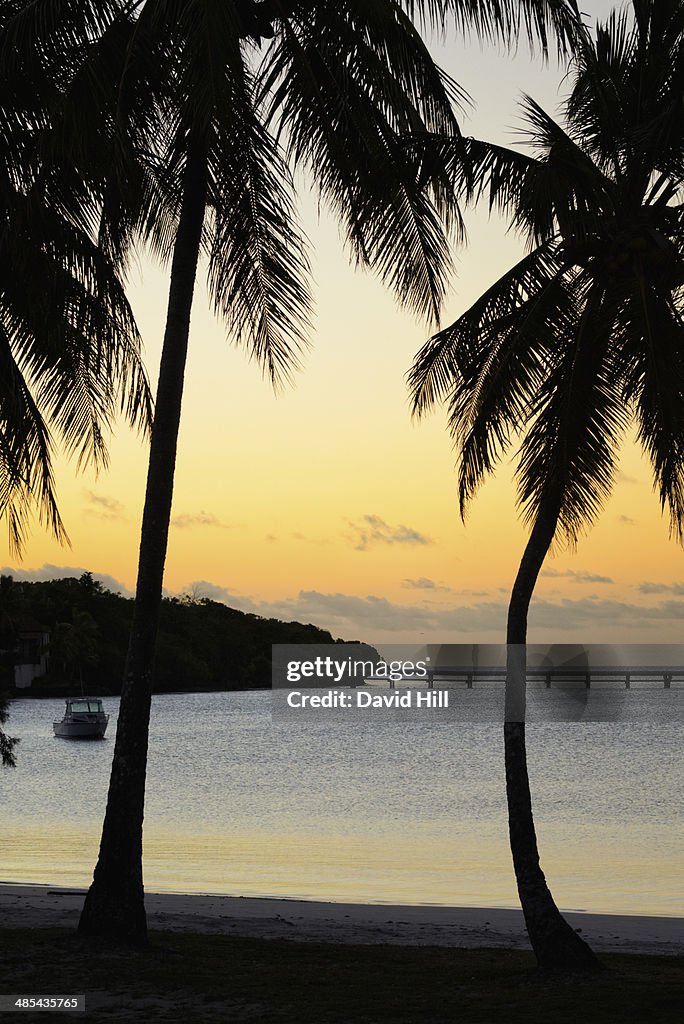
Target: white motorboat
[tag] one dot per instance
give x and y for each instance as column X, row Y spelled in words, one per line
column 84, row 719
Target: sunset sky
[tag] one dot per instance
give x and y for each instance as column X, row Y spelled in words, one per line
column 327, row 504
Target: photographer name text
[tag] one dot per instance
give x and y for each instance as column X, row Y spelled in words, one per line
column 411, row 699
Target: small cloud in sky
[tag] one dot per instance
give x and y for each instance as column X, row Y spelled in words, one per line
column 626, row 520
column 625, row 478
column 661, row 588
column 200, row 589
column 370, row 530
column 579, row 576
column 271, row 538
column 101, row 506
column 423, row 583
column 186, row 520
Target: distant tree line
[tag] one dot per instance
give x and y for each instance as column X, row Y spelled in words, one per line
column 203, row 644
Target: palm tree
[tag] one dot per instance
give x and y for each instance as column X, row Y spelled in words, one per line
column 584, row 336
column 202, row 124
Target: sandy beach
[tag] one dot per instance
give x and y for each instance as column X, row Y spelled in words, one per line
column 42, row 906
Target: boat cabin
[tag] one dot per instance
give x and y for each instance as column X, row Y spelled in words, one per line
column 84, row 706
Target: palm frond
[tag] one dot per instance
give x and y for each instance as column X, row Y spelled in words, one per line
column 564, row 191
column 258, row 266
column 492, row 408
column 538, row 20
column 654, row 344
column 577, row 423
column 26, row 476
column 458, row 352
column 51, row 30
column 332, row 94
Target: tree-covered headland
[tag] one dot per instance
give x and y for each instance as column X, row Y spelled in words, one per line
column 203, row 644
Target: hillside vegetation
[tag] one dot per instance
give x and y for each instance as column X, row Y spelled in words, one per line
column 203, row 644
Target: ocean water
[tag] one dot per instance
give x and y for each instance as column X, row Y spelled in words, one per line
column 407, row 812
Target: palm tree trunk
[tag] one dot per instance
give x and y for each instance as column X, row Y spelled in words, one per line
column 114, row 906
column 556, row 945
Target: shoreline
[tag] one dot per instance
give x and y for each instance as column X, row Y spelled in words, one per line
column 61, row 692
column 43, row 906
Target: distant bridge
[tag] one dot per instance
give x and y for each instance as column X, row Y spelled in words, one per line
column 624, row 676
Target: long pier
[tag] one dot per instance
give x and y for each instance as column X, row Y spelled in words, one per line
column 620, row 675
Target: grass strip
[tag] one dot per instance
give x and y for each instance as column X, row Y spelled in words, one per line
column 202, row 978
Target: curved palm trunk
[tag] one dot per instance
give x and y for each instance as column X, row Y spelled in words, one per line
column 554, row 942
column 114, row 906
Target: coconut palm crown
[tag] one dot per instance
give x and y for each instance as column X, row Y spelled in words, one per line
column 584, row 336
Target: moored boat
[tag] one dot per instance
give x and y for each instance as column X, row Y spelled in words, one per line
column 84, row 719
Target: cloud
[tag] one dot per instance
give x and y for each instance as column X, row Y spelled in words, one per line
column 189, row 519
column 653, row 588
column 374, row 530
column 423, row 583
column 626, row 520
column 103, row 507
column 661, row 588
column 59, row 572
column 576, row 576
column 215, row 592
column 348, row 613
column 377, row 620
column 625, row 478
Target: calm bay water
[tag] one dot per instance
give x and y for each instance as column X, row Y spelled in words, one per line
column 378, row 812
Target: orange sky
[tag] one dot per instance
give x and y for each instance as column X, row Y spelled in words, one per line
column 327, row 504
